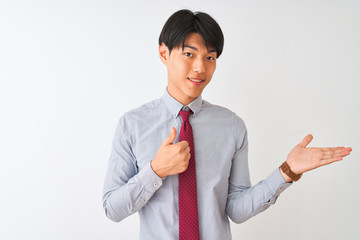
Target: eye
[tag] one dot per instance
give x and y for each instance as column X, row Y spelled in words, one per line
column 188, row 54
column 210, row 58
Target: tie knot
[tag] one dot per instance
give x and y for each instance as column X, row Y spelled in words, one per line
column 185, row 115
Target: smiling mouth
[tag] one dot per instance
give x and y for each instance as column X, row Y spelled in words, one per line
column 196, row 80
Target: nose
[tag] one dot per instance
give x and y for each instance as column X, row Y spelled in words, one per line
column 199, row 65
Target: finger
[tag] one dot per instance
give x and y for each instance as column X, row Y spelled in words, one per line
column 345, row 154
column 306, row 141
column 331, row 160
column 336, row 152
column 331, row 148
column 348, row 149
column 328, row 152
column 335, row 155
column 184, row 144
column 171, row 138
column 328, row 156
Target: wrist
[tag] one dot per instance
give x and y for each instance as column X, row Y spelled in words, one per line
column 286, row 177
column 289, row 174
column 156, row 170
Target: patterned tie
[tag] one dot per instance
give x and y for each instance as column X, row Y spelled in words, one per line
column 188, row 212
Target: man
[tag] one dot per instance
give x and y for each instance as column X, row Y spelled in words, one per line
column 186, row 186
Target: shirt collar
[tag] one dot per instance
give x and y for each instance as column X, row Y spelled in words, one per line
column 174, row 106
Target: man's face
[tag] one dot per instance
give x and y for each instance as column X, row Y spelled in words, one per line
column 189, row 70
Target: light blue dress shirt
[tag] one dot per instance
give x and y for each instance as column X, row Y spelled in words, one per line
column 222, row 173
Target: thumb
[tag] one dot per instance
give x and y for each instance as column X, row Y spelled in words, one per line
column 171, row 138
column 306, row 141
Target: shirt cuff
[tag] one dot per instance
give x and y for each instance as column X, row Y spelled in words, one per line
column 277, row 185
column 149, row 179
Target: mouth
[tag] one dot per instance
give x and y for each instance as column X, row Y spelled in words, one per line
column 196, row 81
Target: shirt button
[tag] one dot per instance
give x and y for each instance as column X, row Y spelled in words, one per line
column 155, row 184
column 144, row 201
column 280, row 188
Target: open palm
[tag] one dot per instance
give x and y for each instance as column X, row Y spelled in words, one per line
column 302, row 159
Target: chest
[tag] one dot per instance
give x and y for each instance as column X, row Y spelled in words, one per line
column 213, row 142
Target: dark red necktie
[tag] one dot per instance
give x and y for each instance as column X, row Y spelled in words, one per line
column 188, row 212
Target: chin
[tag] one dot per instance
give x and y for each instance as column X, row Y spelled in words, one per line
column 194, row 95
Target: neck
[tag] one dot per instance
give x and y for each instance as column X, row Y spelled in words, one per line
column 184, row 100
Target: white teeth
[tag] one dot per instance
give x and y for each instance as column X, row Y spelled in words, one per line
column 195, row 80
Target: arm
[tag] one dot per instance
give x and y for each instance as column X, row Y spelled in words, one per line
column 126, row 190
column 245, row 201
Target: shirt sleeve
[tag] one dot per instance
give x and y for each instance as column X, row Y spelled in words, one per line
column 126, row 189
column 245, row 201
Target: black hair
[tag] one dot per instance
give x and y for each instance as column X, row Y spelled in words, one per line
column 184, row 22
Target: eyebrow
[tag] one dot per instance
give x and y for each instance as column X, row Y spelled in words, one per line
column 194, row 48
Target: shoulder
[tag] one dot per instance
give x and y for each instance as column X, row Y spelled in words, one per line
column 229, row 122
column 129, row 121
column 147, row 110
column 222, row 113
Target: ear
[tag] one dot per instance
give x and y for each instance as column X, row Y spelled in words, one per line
column 163, row 53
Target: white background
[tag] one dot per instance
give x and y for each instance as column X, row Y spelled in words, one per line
column 70, row 69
